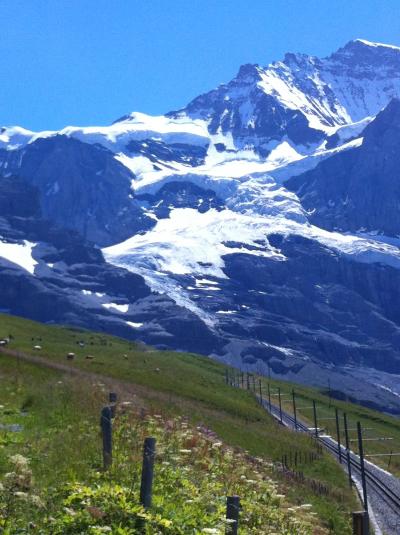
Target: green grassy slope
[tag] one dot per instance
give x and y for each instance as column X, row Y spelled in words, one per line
column 70, row 494
column 178, row 384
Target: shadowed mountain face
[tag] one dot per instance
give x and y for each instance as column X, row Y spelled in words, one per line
column 258, row 225
column 79, row 186
column 53, row 275
column 358, row 190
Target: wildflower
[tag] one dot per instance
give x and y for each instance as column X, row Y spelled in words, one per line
column 21, row 495
column 19, row 460
column 37, row 501
column 185, row 451
column 210, row 530
column 9, row 477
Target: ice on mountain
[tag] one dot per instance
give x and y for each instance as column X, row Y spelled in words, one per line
column 19, row 254
column 134, row 325
column 119, row 308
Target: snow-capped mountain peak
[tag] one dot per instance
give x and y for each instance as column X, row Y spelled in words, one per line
column 245, row 208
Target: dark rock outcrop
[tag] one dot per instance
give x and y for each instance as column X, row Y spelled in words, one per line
column 78, row 186
column 359, row 189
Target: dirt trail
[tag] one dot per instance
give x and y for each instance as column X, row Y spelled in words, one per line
column 127, row 390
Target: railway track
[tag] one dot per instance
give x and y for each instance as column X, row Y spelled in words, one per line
column 383, row 489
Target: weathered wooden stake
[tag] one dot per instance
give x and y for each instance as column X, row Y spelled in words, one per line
column 315, row 418
column 363, row 480
column 260, row 388
column 338, row 435
column 346, row 436
column 112, row 397
column 232, row 514
column 146, row 486
column 280, row 404
column 106, row 431
column 390, row 458
column 360, row 523
column 294, row 410
column 269, row 399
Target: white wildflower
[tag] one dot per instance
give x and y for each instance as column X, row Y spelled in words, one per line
column 19, row 460
column 21, row 495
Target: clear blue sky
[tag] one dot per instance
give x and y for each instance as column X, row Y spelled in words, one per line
column 84, row 62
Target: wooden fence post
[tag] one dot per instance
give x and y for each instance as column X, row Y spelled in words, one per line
column 294, row 410
column 112, row 397
column 146, row 486
column 348, row 454
column 360, row 523
column 106, row 431
column 269, row 399
column 361, row 455
column 338, row 435
column 232, row 514
column 315, row 418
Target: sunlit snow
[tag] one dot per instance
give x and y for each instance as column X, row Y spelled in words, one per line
column 119, row 308
column 20, row 254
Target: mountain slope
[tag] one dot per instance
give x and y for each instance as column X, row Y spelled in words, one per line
column 244, row 218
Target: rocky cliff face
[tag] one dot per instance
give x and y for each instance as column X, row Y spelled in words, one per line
column 359, row 190
column 79, row 186
column 53, row 275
